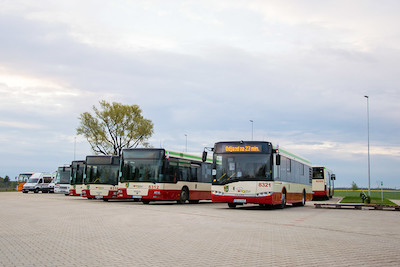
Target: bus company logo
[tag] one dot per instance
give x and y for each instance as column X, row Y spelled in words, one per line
column 242, row 190
column 226, row 188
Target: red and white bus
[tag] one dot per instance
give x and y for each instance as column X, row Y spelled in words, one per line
column 149, row 174
column 101, row 177
column 76, row 182
column 256, row 172
column 322, row 183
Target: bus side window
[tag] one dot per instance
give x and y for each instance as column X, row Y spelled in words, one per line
column 194, row 173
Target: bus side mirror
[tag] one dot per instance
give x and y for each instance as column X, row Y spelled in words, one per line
column 333, row 177
column 204, row 157
column 278, row 159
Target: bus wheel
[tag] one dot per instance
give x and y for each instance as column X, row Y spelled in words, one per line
column 232, row 205
column 145, row 201
column 283, row 204
column 303, row 200
column 105, row 199
column 184, row 196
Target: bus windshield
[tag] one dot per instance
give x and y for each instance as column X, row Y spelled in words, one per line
column 318, row 173
column 102, row 174
column 242, row 167
column 23, row 177
column 77, row 170
column 63, row 175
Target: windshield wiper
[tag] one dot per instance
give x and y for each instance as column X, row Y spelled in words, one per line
column 232, row 180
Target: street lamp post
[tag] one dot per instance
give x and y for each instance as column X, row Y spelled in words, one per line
column 186, row 142
column 369, row 162
column 251, row 129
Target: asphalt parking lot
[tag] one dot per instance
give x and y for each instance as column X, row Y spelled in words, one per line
column 56, row 230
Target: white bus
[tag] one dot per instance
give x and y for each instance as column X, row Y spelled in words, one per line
column 76, row 181
column 323, row 182
column 101, row 177
column 255, row 172
column 149, row 174
column 61, row 183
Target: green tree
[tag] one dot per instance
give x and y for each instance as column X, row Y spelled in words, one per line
column 354, row 186
column 113, row 127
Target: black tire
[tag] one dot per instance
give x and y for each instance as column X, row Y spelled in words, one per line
column 184, row 195
column 146, row 201
column 36, row 191
column 231, row 205
column 283, row 204
column 303, row 200
column 24, row 192
column 105, row 199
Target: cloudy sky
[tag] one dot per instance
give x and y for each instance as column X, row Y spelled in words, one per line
column 298, row 69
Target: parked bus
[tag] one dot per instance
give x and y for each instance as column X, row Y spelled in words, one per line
column 22, row 179
column 61, row 184
column 322, row 183
column 101, row 177
column 76, row 181
column 256, row 172
column 149, row 174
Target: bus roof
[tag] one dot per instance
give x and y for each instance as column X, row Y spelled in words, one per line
column 182, row 155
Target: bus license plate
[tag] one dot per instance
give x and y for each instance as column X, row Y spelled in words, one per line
column 98, row 197
column 239, row 200
column 136, row 196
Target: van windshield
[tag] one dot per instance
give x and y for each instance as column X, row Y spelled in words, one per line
column 33, row 180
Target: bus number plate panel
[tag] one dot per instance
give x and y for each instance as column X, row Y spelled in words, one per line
column 239, row 200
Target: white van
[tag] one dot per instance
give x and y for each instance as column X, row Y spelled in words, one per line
column 39, row 181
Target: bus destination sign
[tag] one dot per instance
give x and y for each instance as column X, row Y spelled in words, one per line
column 243, row 148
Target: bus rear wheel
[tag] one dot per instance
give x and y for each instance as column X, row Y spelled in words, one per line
column 303, row 200
column 283, row 204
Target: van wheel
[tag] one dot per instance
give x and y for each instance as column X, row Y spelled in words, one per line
column 36, row 191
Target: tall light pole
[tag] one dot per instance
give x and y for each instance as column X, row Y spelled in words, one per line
column 186, row 141
column 369, row 162
column 251, row 129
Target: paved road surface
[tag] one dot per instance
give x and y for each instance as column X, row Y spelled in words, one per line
column 55, row 230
